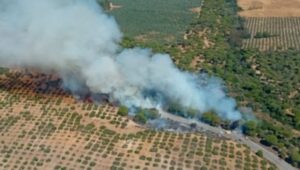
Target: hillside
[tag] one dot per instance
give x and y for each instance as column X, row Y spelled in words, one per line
column 251, row 48
column 42, row 127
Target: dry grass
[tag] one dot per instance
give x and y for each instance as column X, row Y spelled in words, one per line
column 269, row 8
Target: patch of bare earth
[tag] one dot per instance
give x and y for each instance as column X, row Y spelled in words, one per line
column 196, row 10
column 113, row 6
column 197, row 61
column 207, row 43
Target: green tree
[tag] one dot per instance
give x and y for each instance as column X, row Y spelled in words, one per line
column 260, row 153
column 174, row 108
column 250, row 128
column 140, row 117
column 123, row 111
column 211, row 118
column 151, row 113
column 191, row 112
column 271, row 140
column 297, row 118
column 295, row 156
column 105, row 4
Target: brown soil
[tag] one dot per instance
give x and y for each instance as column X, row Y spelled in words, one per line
column 113, row 6
column 39, row 131
column 197, row 61
column 207, row 43
column 293, row 94
column 269, row 8
column 196, row 10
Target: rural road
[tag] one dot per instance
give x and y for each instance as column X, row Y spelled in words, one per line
column 235, row 135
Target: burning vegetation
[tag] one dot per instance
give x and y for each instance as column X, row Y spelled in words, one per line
column 84, row 52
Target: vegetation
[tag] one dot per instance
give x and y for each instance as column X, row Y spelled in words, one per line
column 143, row 115
column 272, row 33
column 175, row 108
column 140, row 117
column 123, row 111
column 217, row 42
column 105, row 4
column 3, row 70
column 262, row 35
column 295, row 157
column 154, row 20
column 250, row 128
column 260, row 153
column 211, row 118
column 270, row 140
column 220, row 43
column 90, row 144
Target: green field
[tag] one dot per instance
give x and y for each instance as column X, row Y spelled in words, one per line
column 154, row 19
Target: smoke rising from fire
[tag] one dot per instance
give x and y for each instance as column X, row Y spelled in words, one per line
column 77, row 40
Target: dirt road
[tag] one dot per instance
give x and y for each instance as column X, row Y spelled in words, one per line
column 234, row 135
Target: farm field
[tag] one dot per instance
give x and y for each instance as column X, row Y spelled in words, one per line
column 266, row 81
column 51, row 130
column 282, row 33
column 154, row 20
column 269, row 8
column 44, row 127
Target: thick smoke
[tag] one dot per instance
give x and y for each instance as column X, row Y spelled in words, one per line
column 76, row 39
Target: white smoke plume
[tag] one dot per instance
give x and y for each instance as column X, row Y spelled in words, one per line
column 77, row 40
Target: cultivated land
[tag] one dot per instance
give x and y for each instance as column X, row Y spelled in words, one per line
column 154, row 20
column 266, row 81
column 269, row 8
column 279, row 20
column 272, row 24
column 42, row 127
column 281, row 33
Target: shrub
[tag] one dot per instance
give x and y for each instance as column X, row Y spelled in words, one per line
column 262, row 35
column 211, row 118
column 260, row 153
column 123, row 111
